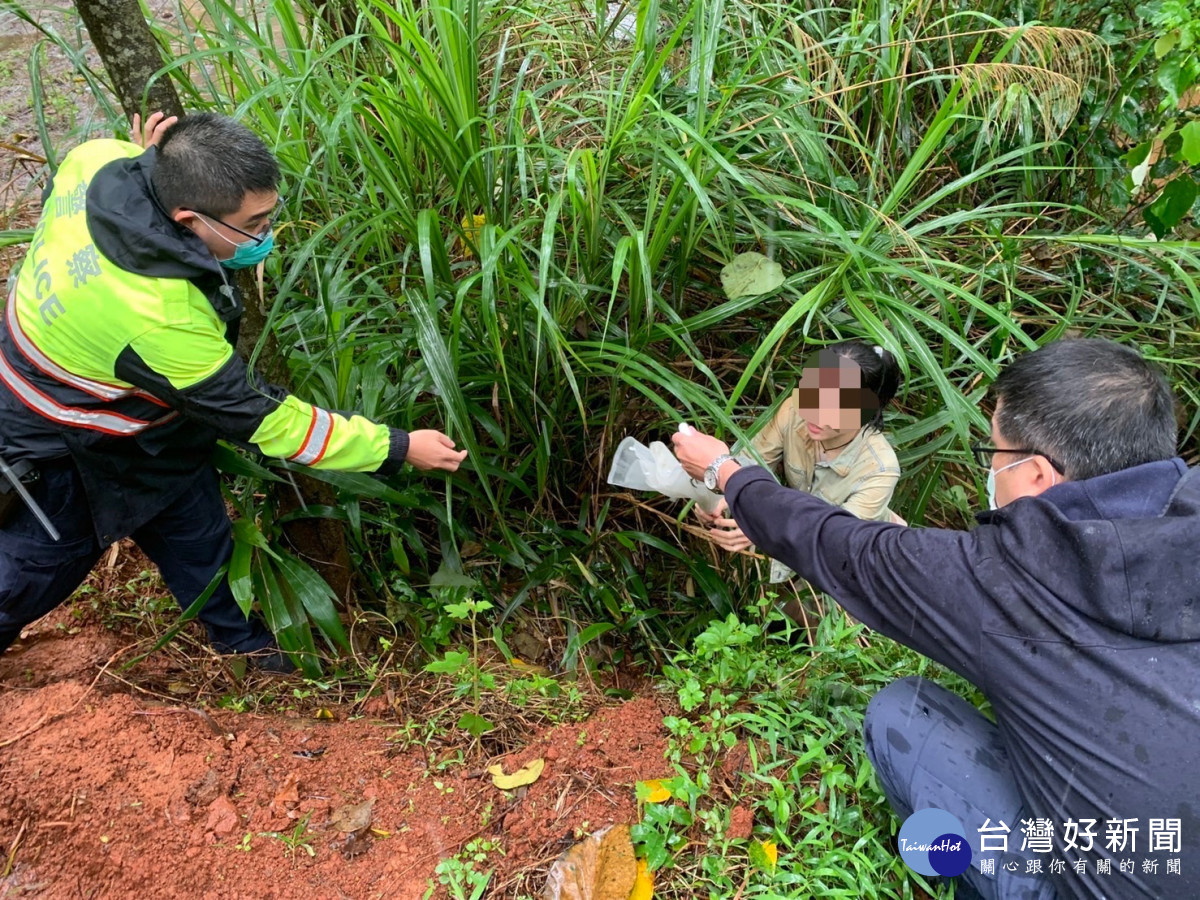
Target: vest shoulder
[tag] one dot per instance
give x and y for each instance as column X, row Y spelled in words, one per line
column 91, row 155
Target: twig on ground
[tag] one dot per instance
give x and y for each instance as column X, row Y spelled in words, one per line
column 12, row 852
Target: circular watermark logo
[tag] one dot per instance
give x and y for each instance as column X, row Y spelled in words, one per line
column 932, row 843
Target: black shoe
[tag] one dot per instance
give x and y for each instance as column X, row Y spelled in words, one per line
column 272, row 660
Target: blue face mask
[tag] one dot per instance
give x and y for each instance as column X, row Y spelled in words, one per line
column 991, row 481
column 250, row 253
column 247, row 253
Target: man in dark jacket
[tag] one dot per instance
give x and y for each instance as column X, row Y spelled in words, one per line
column 1074, row 606
column 118, row 373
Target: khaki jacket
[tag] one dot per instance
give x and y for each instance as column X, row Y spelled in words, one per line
column 861, row 479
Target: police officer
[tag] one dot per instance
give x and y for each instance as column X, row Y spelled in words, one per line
column 118, row 373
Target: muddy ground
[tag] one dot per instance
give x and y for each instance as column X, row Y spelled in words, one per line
column 117, row 783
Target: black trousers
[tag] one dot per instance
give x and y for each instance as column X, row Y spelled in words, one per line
column 931, row 748
column 188, row 541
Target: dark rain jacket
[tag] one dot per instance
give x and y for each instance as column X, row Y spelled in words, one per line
column 1076, row 612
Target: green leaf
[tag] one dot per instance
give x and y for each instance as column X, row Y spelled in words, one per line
column 750, row 274
column 447, row 578
column 226, row 459
column 450, row 663
column 1189, row 150
column 582, row 639
column 240, row 582
column 1166, row 43
column 474, row 724
column 1138, row 160
column 316, row 597
column 763, row 855
column 1172, row 205
column 1174, row 78
column 359, row 484
column 246, row 532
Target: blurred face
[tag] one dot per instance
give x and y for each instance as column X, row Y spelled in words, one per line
column 831, row 398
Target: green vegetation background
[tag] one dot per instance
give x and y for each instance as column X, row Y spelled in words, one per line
column 510, row 219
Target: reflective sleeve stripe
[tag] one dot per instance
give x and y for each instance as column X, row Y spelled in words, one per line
column 317, row 439
column 36, row 357
column 46, row 406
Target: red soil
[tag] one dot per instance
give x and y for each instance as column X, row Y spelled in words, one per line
column 118, row 794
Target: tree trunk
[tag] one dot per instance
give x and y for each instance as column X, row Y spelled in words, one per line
column 132, row 56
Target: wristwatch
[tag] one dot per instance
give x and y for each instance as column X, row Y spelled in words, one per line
column 710, row 474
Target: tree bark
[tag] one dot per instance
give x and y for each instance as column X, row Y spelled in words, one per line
column 130, row 54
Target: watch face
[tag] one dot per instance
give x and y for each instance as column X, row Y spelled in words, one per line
column 710, row 478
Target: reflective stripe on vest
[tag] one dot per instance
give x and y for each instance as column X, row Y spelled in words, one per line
column 317, row 438
column 47, row 366
column 45, row 405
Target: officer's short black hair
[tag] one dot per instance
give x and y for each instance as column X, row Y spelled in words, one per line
column 208, row 163
column 1092, row 405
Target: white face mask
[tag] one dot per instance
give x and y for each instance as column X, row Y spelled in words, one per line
column 991, row 481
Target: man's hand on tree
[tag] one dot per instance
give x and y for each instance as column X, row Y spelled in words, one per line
column 156, row 126
column 429, row 449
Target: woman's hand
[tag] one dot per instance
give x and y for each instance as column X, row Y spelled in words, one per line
column 708, row 518
column 726, row 534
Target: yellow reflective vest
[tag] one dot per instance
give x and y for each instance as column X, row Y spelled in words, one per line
column 117, row 349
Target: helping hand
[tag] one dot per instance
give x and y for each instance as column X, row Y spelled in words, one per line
column 429, row 449
column 156, row 127
column 695, row 451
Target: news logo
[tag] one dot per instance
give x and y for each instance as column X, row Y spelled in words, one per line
column 932, row 842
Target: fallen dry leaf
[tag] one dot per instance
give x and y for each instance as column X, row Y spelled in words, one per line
column 352, row 816
column 287, row 797
column 527, row 774
column 600, row 867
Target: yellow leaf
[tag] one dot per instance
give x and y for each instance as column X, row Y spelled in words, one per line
column 529, row 667
column 643, row 888
column 323, row 713
column 527, row 774
column 471, row 226
column 658, row 793
column 764, row 855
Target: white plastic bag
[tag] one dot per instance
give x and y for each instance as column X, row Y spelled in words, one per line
column 655, row 468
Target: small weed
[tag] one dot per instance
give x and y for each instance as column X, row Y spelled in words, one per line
column 461, row 875
column 469, row 677
column 296, row 839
